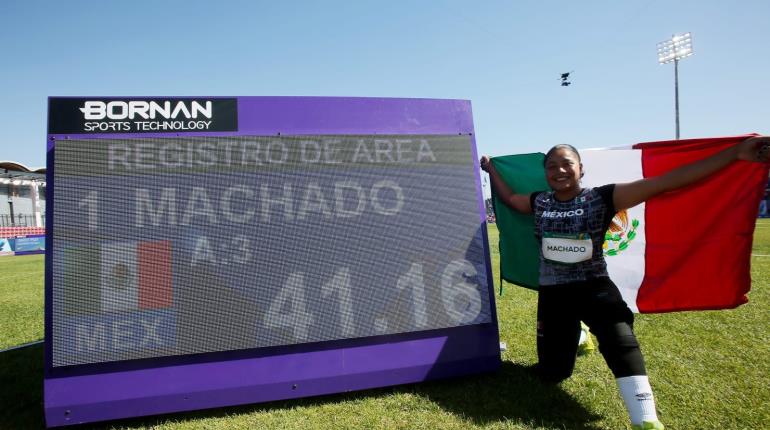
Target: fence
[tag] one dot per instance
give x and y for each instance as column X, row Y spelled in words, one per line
column 20, row 220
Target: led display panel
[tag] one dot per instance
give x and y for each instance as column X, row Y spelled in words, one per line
column 171, row 246
column 213, row 251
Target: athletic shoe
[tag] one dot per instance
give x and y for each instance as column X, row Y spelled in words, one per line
column 585, row 344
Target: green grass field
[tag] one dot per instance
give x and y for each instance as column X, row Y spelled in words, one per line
column 709, row 370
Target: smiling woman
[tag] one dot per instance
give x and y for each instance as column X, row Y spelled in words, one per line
column 571, row 224
column 563, row 170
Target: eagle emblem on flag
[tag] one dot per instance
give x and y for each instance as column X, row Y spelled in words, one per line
column 620, row 234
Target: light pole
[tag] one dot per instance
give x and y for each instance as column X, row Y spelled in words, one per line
column 674, row 49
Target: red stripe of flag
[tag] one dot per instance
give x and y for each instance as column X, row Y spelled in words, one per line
column 154, row 273
column 699, row 239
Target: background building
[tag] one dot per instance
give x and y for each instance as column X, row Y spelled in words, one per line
column 22, row 199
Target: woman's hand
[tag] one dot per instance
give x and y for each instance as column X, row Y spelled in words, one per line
column 755, row 148
column 484, row 163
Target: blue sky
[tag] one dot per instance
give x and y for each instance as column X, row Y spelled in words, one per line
column 504, row 56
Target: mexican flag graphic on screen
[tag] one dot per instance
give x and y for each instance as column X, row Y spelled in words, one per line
column 117, row 277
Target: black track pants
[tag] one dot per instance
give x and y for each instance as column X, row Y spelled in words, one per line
column 598, row 303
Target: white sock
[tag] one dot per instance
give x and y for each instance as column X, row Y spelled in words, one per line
column 637, row 395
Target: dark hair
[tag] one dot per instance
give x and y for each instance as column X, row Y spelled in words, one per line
column 560, row 146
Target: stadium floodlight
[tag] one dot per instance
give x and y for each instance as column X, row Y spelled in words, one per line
column 674, row 49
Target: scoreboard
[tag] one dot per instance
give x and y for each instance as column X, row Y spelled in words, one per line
column 290, row 246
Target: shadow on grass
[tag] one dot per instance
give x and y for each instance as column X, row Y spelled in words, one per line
column 513, row 394
column 21, row 388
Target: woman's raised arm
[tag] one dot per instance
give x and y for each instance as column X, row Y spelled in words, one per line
column 518, row 202
column 632, row 193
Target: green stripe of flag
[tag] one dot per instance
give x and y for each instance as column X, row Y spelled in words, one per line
column 82, row 280
column 519, row 252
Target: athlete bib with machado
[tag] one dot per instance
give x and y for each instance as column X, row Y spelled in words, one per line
column 567, row 248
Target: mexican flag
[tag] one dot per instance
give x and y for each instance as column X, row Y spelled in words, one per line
column 684, row 250
column 116, row 277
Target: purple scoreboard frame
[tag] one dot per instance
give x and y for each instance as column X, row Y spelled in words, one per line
column 89, row 393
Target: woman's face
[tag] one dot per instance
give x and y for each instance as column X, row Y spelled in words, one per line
column 562, row 170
